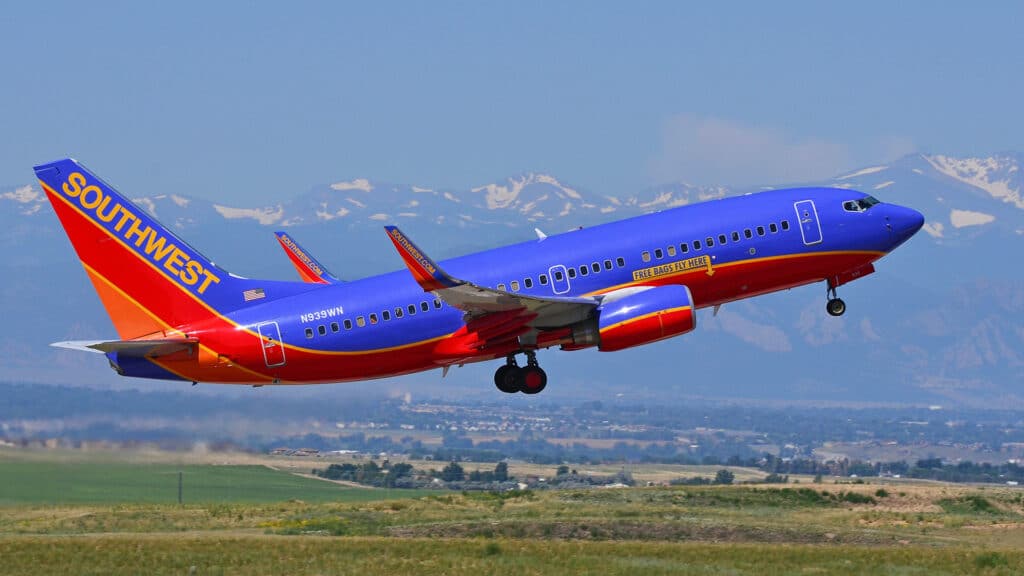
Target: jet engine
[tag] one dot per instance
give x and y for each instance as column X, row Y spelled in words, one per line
column 632, row 317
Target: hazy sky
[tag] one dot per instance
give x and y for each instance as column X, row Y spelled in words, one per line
column 249, row 102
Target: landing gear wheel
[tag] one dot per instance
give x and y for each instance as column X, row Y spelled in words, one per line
column 836, row 307
column 529, row 379
column 506, row 378
column 532, row 379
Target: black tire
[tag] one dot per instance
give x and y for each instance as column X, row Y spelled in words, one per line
column 506, row 379
column 532, row 379
column 836, row 307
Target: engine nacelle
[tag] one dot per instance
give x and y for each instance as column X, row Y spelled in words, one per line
column 646, row 316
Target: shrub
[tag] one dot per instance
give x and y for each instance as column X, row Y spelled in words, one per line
column 856, row 498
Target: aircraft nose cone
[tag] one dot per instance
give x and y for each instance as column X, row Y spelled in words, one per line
column 905, row 223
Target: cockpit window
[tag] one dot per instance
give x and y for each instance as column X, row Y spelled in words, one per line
column 860, row 205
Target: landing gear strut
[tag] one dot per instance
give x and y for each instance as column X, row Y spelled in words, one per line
column 512, row 378
column 835, row 305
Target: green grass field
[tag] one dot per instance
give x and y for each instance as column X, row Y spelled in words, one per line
column 30, row 482
column 80, row 515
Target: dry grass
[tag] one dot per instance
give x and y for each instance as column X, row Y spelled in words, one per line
column 879, row 528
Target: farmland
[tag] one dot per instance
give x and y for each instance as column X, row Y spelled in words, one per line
column 249, row 518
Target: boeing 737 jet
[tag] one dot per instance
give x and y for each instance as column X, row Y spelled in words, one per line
column 180, row 317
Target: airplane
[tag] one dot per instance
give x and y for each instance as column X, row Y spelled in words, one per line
column 614, row 286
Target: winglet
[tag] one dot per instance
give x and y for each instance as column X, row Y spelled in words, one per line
column 427, row 273
column 308, row 268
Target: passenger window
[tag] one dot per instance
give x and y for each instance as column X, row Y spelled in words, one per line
column 760, row 230
column 595, row 267
column 621, row 262
column 544, row 279
column 335, row 327
column 607, row 264
column 309, row 332
column 710, row 241
column 501, row 287
column 515, row 285
column 321, row 329
column 412, row 309
column 360, row 321
column 721, row 239
column 659, row 254
column 424, row 306
column 528, row 282
column 645, row 256
column 696, row 244
column 583, row 270
column 437, row 304
column 386, row 315
column 671, row 251
column 572, row 273
column 398, row 312
column 684, row 248
column 747, row 233
column 373, row 318
column 558, row 276
column 735, row 236
column 773, row 227
column 784, row 224
column 348, row 324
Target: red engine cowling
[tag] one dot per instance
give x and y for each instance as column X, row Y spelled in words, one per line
column 644, row 317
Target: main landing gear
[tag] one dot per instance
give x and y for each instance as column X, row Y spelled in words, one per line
column 835, row 305
column 512, row 378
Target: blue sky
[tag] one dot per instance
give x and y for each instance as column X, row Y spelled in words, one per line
column 247, row 103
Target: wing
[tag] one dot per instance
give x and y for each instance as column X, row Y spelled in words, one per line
column 492, row 316
column 308, row 268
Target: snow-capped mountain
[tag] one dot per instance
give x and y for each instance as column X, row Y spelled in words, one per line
column 958, row 196
column 527, row 199
column 940, row 322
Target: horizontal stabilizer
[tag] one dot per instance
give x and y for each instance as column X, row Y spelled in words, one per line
column 132, row 348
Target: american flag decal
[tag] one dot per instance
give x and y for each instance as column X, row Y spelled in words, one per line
column 253, row 294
